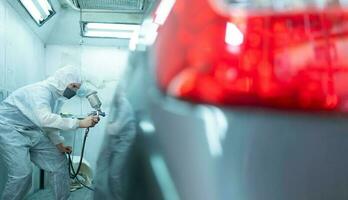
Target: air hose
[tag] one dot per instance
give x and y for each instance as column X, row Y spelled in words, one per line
column 74, row 173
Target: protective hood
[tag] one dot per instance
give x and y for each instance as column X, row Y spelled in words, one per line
column 63, row 77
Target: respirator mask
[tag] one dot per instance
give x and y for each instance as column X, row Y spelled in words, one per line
column 69, row 93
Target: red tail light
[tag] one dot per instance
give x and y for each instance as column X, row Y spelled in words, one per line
column 287, row 59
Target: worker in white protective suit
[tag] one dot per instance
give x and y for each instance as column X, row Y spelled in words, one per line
column 29, row 132
column 120, row 134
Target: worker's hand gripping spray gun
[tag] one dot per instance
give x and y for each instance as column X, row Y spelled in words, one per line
column 95, row 103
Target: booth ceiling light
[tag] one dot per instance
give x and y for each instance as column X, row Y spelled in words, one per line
column 39, row 10
column 107, row 30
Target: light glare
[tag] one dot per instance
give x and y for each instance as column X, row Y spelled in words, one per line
column 45, row 6
column 164, row 178
column 122, row 35
column 233, row 35
column 116, row 27
column 122, row 31
column 34, row 12
column 163, row 11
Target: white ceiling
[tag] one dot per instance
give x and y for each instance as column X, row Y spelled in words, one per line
column 64, row 26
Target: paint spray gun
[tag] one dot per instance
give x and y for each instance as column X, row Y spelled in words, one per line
column 95, row 103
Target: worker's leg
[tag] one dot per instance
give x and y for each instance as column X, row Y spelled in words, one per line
column 46, row 156
column 14, row 151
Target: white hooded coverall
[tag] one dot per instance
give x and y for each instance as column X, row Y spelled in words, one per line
column 29, row 131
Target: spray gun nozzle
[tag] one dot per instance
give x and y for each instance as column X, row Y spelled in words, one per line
column 97, row 113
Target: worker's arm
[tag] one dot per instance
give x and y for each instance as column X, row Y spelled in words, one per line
column 54, row 136
column 64, row 149
column 47, row 119
column 58, row 140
